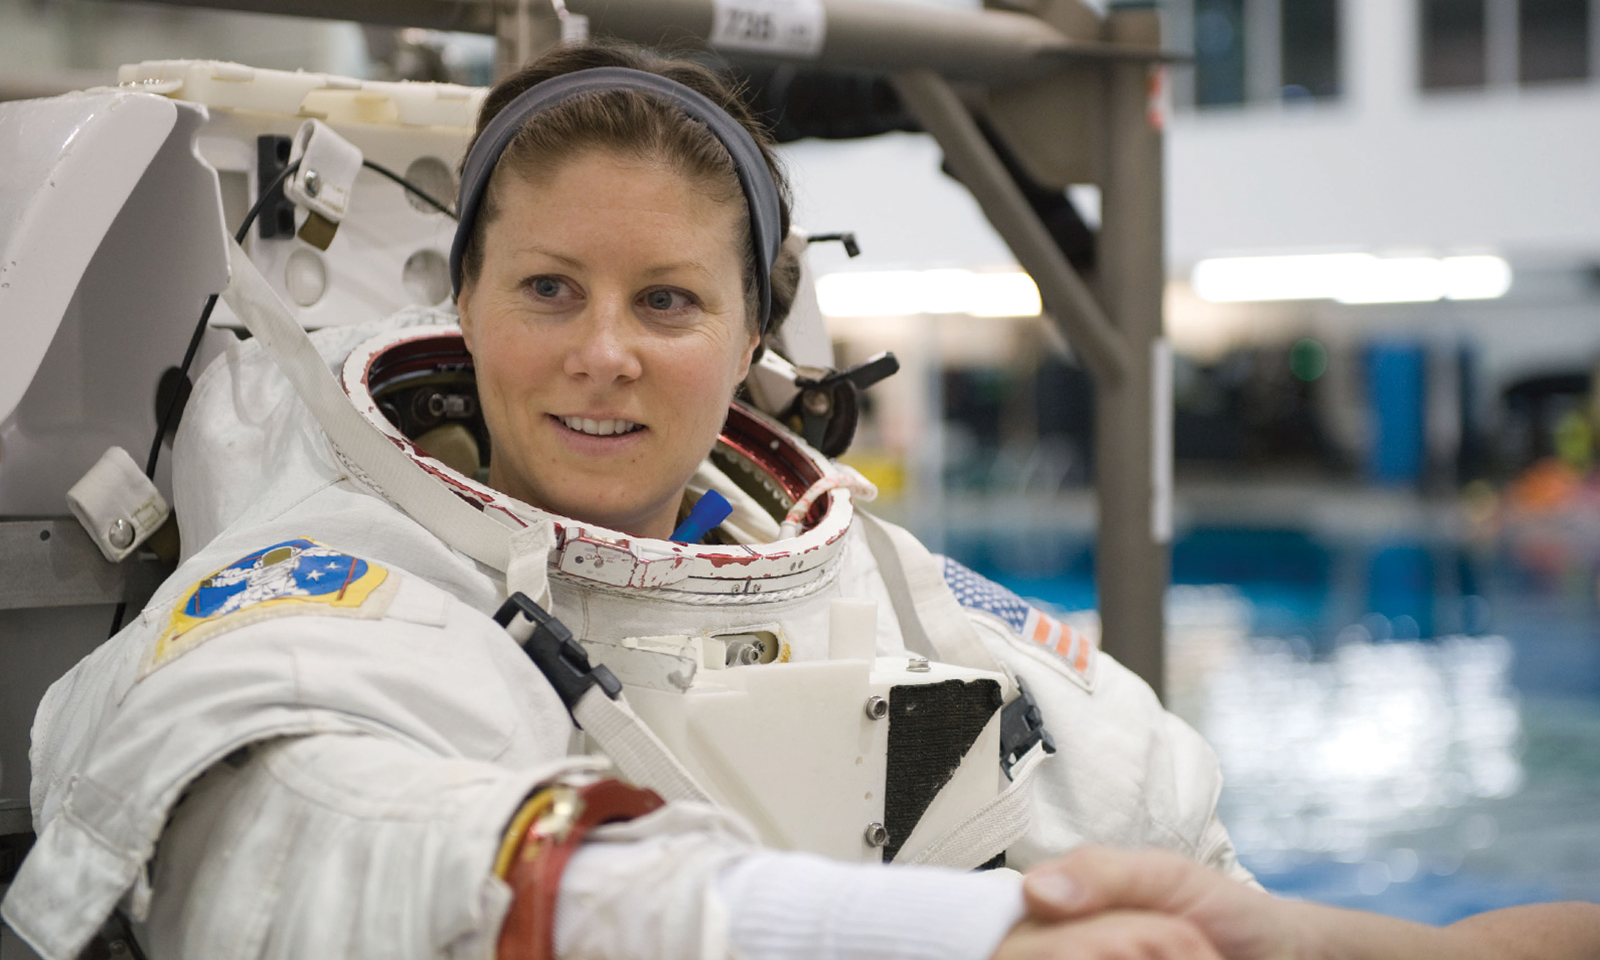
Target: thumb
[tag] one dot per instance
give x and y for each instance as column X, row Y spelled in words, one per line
column 1091, row 879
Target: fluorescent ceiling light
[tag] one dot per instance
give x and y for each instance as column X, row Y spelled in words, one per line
column 901, row 293
column 1351, row 278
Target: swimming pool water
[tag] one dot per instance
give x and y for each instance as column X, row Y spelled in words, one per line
column 1410, row 726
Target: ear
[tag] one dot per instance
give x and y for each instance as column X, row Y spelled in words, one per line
column 464, row 313
column 746, row 358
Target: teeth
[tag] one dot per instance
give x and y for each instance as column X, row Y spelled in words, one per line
column 600, row 428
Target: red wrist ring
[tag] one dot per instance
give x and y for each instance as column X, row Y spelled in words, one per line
column 556, row 821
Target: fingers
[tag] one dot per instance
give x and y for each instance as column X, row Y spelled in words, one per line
column 1242, row 923
column 1119, row 935
column 1091, row 879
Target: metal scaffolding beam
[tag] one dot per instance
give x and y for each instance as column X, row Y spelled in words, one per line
column 871, row 35
column 1118, row 335
column 1133, row 423
column 1073, row 308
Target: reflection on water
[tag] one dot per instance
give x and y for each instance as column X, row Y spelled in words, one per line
column 1326, row 755
column 1427, row 779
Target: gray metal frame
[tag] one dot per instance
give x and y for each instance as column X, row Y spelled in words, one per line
column 51, row 562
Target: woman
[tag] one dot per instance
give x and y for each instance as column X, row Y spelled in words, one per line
column 365, row 758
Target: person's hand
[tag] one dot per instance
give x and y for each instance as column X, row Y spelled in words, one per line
column 1243, row 923
column 1114, row 935
column 1240, row 922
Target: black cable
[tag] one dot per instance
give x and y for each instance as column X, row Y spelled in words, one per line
column 411, row 187
column 180, row 388
column 127, row 935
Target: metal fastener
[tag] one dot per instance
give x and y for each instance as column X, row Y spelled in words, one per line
column 313, row 183
column 120, row 534
column 877, row 708
column 817, row 402
column 742, row 654
column 876, row 835
column 918, row 665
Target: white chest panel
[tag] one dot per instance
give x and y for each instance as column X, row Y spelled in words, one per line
column 857, row 757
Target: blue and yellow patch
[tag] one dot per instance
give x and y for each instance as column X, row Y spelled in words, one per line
column 297, row 576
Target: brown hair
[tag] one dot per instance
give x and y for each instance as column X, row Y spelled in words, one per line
column 643, row 126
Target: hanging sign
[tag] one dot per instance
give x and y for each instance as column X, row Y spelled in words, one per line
column 780, row 27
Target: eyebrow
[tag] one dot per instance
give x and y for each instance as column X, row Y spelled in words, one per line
column 569, row 261
column 655, row 271
column 666, row 268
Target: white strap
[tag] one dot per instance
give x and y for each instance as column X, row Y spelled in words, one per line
column 634, row 748
column 117, row 504
column 385, row 468
column 993, row 827
column 920, row 597
column 326, row 178
column 912, row 633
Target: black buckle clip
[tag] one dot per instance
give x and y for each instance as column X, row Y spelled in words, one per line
column 561, row 659
column 825, row 410
column 1021, row 726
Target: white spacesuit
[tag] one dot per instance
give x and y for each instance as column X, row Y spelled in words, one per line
column 325, row 732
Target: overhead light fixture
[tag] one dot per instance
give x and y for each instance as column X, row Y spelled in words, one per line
column 901, row 293
column 1351, row 278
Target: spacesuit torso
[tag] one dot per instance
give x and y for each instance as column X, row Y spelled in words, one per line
column 306, row 603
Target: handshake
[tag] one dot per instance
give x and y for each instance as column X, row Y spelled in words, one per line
column 1102, row 904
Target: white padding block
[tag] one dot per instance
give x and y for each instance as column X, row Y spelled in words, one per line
column 852, row 630
column 117, row 504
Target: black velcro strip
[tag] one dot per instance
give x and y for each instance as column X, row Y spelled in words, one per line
column 931, row 727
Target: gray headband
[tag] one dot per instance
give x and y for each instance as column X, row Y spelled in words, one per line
column 760, row 192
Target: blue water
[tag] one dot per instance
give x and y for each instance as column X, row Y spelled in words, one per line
column 1299, row 585
column 1536, row 840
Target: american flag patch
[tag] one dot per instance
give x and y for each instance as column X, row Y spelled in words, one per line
column 976, row 592
column 1068, row 643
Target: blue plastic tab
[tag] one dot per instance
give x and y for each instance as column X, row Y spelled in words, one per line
column 708, row 511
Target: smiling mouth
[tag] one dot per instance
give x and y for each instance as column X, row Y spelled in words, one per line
column 599, row 428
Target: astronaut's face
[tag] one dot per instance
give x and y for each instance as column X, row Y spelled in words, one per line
column 607, row 328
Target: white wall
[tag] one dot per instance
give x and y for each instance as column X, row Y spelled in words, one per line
column 1507, row 170
column 890, row 191
column 1387, row 169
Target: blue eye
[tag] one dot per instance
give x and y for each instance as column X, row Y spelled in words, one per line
column 546, row 287
column 668, row 301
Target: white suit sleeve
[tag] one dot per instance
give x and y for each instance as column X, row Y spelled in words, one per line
column 335, row 845
column 352, row 846
column 650, row 900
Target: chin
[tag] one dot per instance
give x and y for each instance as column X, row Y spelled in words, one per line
column 587, row 510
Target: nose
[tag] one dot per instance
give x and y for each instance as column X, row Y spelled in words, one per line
column 605, row 346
